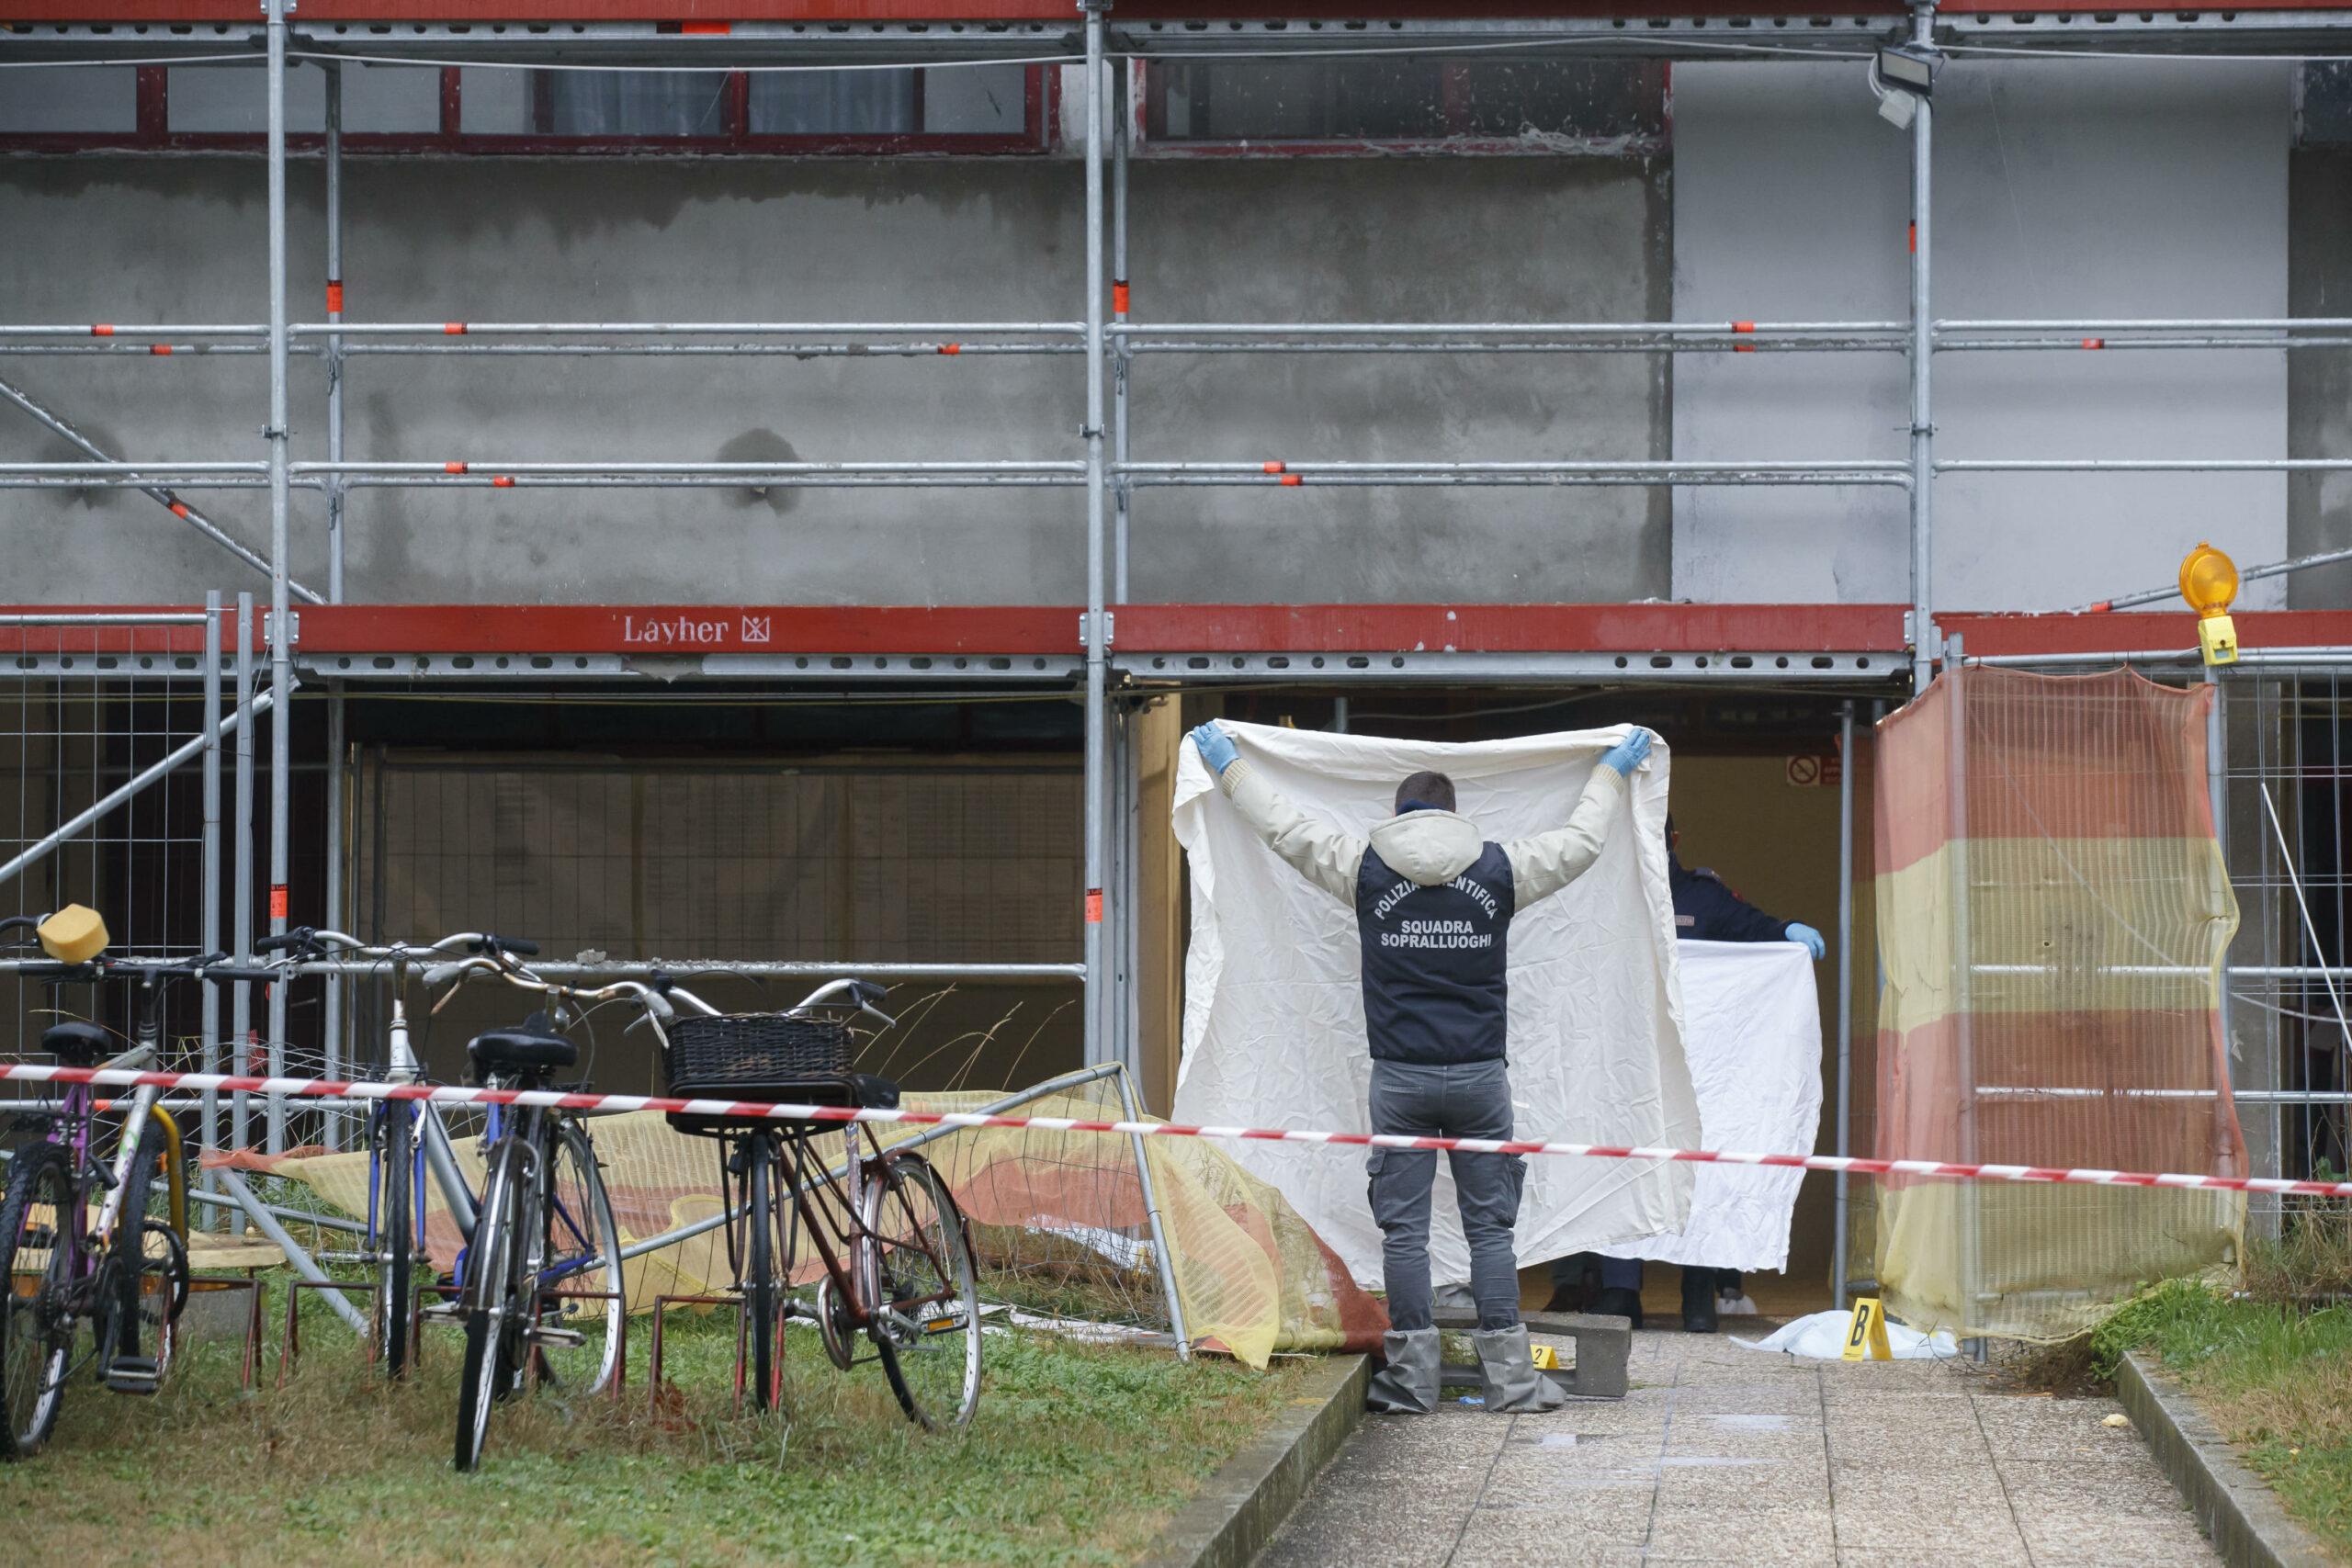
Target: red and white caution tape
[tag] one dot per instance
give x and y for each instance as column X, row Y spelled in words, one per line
column 313, row 1089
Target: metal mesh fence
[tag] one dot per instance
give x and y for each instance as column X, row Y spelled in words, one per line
column 2053, row 915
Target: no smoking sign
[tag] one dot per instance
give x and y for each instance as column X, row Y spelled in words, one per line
column 1807, row 772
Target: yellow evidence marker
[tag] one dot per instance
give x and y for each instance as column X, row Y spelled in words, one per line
column 1866, row 1335
column 1547, row 1358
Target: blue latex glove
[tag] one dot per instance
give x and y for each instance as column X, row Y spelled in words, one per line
column 1627, row 754
column 1812, row 940
column 1215, row 747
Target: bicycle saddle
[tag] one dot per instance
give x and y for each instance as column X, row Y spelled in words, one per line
column 532, row 1046
column 77, row 1044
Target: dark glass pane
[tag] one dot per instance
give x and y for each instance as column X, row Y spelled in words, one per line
column 835, row 102
column 1406, row 99
column 636, row 103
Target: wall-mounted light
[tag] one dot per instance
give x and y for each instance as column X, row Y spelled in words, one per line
column 1903, row 76
column 2209, row 581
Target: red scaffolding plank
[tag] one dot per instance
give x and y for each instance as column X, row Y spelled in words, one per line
column 1996, row 637
column 1014, row 11
column 1053, row 629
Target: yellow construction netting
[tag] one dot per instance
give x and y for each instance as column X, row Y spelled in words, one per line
column 1059, row 1220
column 2052, row 911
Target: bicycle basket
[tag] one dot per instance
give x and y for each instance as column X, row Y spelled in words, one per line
column 744, row 1055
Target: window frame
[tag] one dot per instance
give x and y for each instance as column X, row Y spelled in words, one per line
column 1142, row 143
column 152, row 132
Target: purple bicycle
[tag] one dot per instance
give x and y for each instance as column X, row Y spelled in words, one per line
column 78, row 1243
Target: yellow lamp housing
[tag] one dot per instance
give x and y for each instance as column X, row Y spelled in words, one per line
column 74, row 935
column 2208, row 582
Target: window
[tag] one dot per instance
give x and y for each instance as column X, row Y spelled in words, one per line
column 426, row 109
column 1362, row 103
column 66, row 102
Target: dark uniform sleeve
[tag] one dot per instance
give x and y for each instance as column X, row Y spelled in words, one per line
column 1717, row 914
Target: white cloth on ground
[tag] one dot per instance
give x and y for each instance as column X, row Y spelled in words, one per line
column 1274, row 1004
column 1751, row 1028
column 1821, row 1336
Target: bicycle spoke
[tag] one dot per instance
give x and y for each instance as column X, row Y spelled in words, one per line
column 580, row 1280
column 36, row 1265
column 926, row 1308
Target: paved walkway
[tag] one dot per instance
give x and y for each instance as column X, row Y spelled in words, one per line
column 1727, row 1457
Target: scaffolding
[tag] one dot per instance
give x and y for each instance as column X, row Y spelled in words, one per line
column 1865, row 655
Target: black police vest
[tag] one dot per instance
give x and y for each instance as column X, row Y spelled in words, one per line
column 1434, row 959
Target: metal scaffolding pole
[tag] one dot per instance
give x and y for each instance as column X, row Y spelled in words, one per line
column 334, row 319
column 208, row 917
column 241, row 903
column 1123, row 493
column 281, row 625
column 1097, row 631
column 1845, row 995
column 334, row 995
column 1923, row 339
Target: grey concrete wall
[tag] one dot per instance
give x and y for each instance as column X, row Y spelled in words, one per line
column 182, row 239
column 2319, row 381
column 2074, row 189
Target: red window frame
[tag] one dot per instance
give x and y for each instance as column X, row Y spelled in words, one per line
column 152, row 132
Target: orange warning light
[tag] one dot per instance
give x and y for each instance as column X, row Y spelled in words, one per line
column 2208, row 582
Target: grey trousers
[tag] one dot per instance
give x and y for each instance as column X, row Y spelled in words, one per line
column 1469, row 1100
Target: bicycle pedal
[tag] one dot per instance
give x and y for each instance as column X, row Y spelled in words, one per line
column 443, row 1313
column 567, row 1339
column 134, row 1375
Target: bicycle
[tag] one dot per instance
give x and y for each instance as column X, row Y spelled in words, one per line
column 399, row 1132
column 124, row 1273
column 892, row 1244
column 544, row 1235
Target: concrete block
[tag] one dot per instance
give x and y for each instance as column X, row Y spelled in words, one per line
column 1602, row 1347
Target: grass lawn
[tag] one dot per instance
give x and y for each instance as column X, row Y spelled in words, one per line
column 2276, row 1380
column 1076, row 1456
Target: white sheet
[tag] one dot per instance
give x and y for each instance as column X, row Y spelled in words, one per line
column 1751, row 1027
column 1273, row 1007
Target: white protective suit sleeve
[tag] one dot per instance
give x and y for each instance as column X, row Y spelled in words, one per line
column 1543, row 864
column 1325, row 855
column 1540, row 863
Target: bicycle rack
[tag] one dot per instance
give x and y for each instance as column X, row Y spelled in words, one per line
column 290, row 1343
column 661, row 1304
column 212, row 1284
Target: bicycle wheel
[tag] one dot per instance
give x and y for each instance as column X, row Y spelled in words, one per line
column 763, row 1292
column 149, row 1265
column 35, row 1334
column 395, row 1237
column 492, row 1303
column 582, row 1300
column 926, row 1312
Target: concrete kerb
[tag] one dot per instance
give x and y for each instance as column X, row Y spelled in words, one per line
column 1233, row 1516
column 2248, row 1526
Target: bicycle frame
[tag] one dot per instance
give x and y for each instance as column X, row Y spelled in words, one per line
column 95, row 1249
column 90, row 1246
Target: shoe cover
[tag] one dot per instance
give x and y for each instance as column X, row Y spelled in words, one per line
column 1514, row 1385
column 1408, row 1384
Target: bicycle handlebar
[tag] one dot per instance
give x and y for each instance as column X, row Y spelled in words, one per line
column 654, row 997
column 863, row 995
column 485, row 942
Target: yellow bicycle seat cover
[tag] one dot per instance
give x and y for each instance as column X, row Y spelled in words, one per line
column 74, row 934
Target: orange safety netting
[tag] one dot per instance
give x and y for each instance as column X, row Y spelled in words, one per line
column 1059, row 1220
column 2053, row 913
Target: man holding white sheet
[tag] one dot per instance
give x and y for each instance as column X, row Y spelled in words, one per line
column 1434, row 901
